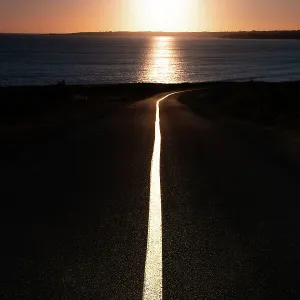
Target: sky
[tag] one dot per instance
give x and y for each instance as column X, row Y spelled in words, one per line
column 63, row 16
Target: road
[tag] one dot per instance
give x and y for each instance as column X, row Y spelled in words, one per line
column 75, row 212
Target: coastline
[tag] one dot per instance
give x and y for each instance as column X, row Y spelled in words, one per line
column 31, row 114
column 264, row 35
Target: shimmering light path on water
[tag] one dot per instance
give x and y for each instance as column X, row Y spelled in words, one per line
column 35, row 59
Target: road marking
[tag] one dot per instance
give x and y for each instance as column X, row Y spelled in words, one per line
column 153, row 267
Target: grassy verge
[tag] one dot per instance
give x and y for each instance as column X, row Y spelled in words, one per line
column 272, row 104
column 29, row 114
column 264, row 116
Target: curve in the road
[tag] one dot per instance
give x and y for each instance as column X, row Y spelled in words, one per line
column 153, row 267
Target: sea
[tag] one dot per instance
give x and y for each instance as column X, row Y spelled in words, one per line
column 48, row 59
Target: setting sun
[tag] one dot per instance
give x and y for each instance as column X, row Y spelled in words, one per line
column 170, row 15
column 147, row 15
column 166, row 15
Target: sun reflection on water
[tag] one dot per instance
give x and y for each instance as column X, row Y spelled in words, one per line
column 162, row 65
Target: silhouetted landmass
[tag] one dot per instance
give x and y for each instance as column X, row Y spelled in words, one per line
column 293, row 34
column 263, row 116
column 271, row 104
column 31, row 114
column 263, row 35
column 232, row 35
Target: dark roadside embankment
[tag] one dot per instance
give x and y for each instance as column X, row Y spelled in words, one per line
column 271, row 104
column 31, row 114
column 264, row 115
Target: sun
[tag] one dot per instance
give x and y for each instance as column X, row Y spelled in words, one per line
column 164, row 15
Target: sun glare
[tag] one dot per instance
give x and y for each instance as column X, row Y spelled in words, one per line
column 164, row 15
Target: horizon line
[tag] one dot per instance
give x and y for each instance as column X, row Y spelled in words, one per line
column 149, row 31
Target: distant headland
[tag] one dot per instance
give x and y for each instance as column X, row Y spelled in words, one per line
column 277, row 34
column 295, row 34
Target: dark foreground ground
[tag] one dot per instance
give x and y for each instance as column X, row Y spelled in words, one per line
column 270, row 104
column 75, row 192
column 29, row 114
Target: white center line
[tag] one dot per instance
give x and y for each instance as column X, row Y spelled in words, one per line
column 153, row 268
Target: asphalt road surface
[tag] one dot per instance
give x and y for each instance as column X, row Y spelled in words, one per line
column 75, row 212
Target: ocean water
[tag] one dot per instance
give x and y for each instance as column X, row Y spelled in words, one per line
column 42, row 60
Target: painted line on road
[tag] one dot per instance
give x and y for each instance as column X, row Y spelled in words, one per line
column 153, row 276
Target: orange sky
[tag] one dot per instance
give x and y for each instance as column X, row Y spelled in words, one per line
column 44, row 16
